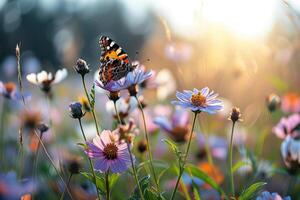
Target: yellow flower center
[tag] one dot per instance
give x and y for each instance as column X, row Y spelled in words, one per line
column 198, row 99
column 110, row 151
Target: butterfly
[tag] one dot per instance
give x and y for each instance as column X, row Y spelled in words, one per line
column 114, row 61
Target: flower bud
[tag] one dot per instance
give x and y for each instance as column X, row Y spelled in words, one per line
column 75, row 109
column 142, row 146
column 42, row 127
column 81, row 67
column 235, row 115
column 273, row 102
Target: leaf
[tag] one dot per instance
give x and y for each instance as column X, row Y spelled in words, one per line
column 171, row 145
column 195, row 171
column 100, row 182
column 144, row 183
column 92, row 95
column 252, row 191
column 240, row 164
column 113, row 179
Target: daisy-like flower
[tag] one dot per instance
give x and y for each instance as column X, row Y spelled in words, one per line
column 199, row 101
column 9, row 91
column 132, row 80
column 108, row 153
column 177, row 127
column 271, row 196
column 112, row 87
column 290, row 151
column 288, row 126
column 45, row 80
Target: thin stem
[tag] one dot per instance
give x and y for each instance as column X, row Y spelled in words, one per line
column 90, row 161
column 230, row 161
column 148, row 144
column 206, row 145
column 52, row 162
column 181, row 169
column 131, row 158
column 107, row 185
column 92, row 107
column 68, row 183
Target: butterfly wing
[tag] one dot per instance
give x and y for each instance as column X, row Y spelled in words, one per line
column 114, row 61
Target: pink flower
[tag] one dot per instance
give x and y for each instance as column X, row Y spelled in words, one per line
column 288, row 126
column 108, row 153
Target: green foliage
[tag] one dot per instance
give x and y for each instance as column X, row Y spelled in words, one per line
column 252, row 191
column 196, row 172
column 92, row 95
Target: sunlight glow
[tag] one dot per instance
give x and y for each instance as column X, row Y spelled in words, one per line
column 249, row 18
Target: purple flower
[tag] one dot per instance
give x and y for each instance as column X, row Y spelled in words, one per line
column 108, row 153
column 132, row 79
column 177, row 126
column 111, row 86
column 9, row 90
column 199, row 101
column 288, row 126
column 271, row 196
column 12, row 189
column 218, row 146
column 290, row 151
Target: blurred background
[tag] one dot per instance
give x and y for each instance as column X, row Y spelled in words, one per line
column 242, row 49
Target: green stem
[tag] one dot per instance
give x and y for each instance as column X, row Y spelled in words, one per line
column 92, row 107
column 148, row 144
column 52, row 163
column 68, row 183
column 230, row 161
column 90, row 161
column 131, row 158
column 107, row 185
column 181, row 169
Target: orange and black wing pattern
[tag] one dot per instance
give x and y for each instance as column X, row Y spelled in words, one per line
column 114, row 61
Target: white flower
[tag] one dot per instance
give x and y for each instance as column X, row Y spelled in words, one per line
column 290, row 151
column 166, row 83
column 46, row 79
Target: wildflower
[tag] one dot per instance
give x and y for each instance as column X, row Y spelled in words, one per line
column 73, row 164
column 290, row 102
column 166, row 84
column 199, row 101
column 151, row 82
column 75, row 109
column 30, row 119
column 42, row 127
column 132, row 80
column 290, row 151
column 9, row 91
column 213, row 171
column 288, row 126
column 178, row 127
column 12, row 188
column 273, row 102
column 217, row 146
column 271, row 196
column 178, row 52
column 45, row 80
column 142, row 146
column 108, row 153
column 265, row 169
column 112, row 87
column 235, row 115
column 81, row 67
column 127, row 132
